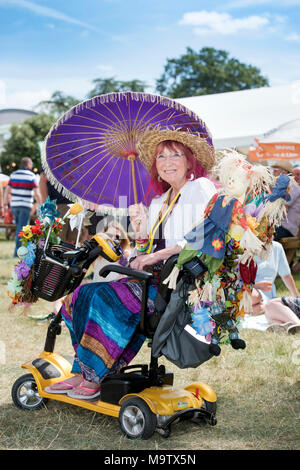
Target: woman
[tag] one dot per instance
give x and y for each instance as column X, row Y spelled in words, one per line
column 264, row 293
column 283, row 314
column 102, row 317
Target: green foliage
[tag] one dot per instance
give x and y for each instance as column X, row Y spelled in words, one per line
column 58, row 104
column 206, row 72
column 194, row 73
column 111, row 85
column 23, row 141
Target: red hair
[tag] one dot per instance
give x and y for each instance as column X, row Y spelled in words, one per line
column 159, row 187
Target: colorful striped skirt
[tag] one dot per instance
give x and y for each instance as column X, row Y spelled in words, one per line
column 102, row 318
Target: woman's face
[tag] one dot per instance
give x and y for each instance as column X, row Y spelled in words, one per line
column 172, row 166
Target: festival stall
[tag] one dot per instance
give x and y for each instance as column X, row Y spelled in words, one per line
column 282, row 143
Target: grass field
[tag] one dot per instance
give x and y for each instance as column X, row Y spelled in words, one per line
column 257, row 390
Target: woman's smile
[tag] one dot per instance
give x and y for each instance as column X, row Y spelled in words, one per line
column 172, row 167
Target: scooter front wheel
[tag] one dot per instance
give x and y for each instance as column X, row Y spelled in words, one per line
column 25, row 393
column 136, row 419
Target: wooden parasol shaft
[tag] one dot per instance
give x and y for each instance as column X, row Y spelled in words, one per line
column 132, row 158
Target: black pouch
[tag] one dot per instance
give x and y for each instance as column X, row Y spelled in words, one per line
column 174, row 338
column 195, row 267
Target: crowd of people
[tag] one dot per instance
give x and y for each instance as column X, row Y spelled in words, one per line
column 179, row 166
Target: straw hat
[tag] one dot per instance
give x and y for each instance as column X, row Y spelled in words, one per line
column 199, row 146
column 284, row 165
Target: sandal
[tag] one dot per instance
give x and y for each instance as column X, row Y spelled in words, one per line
column 95, row 393
column 293, row 329
column 67, row 386
column 278, row 327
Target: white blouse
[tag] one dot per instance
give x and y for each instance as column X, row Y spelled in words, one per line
column 188, row 210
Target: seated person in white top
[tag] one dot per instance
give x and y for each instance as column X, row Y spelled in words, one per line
column 265, row 290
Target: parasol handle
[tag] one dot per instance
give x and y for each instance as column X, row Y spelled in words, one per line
column 131, row 158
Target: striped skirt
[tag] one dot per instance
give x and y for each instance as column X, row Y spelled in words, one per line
column 102, row 319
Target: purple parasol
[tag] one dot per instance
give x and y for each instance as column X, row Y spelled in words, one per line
column 90, row 152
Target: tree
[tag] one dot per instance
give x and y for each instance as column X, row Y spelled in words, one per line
column 58, row 104
column 111, row 85
column 206, row 72
column 24, row 141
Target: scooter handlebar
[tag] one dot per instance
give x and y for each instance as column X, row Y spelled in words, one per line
column 141, row 275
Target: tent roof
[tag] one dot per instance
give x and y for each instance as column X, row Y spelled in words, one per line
column 287, row 132
column 236, row 117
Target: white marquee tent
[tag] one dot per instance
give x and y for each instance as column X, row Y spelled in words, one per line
column 236, row 118
column 280, row 143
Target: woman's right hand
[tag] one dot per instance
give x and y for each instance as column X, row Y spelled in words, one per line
column 138, row 214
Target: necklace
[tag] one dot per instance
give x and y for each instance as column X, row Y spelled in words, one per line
column 161, row 217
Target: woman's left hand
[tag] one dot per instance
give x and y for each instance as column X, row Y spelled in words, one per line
column 144, row 260
column 263, row 285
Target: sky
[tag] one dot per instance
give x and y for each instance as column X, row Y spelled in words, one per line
column 49, row 45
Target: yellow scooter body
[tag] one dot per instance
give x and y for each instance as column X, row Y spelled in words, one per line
column 50, row 368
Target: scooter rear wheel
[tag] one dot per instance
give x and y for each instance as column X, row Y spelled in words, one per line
column 25, row 393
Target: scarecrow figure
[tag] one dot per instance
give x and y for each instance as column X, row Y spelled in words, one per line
column 238, row 224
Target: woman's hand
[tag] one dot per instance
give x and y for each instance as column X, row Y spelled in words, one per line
column 139, row 220
column 263, row 285
column 144, row 260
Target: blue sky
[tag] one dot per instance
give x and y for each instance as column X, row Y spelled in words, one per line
column 49, row 45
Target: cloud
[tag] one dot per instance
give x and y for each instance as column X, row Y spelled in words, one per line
column 47, row 12
column 206, row 22
column 22, row 99
column 105, row 69
column 293, row 37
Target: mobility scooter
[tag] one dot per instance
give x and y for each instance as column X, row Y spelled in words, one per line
column 142, row 397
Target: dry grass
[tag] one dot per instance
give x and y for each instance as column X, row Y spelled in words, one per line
column 257, row 389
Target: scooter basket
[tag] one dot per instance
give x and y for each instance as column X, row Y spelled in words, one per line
column 52, row 281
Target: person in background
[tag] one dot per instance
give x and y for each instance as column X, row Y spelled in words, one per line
column 21, row 191
column 1, row 201
column 265, row 290
column 290, row 225
column 268, row 270
column 296, row 174
column 283, row 314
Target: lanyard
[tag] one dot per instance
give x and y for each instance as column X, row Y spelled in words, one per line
column 160, row 218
